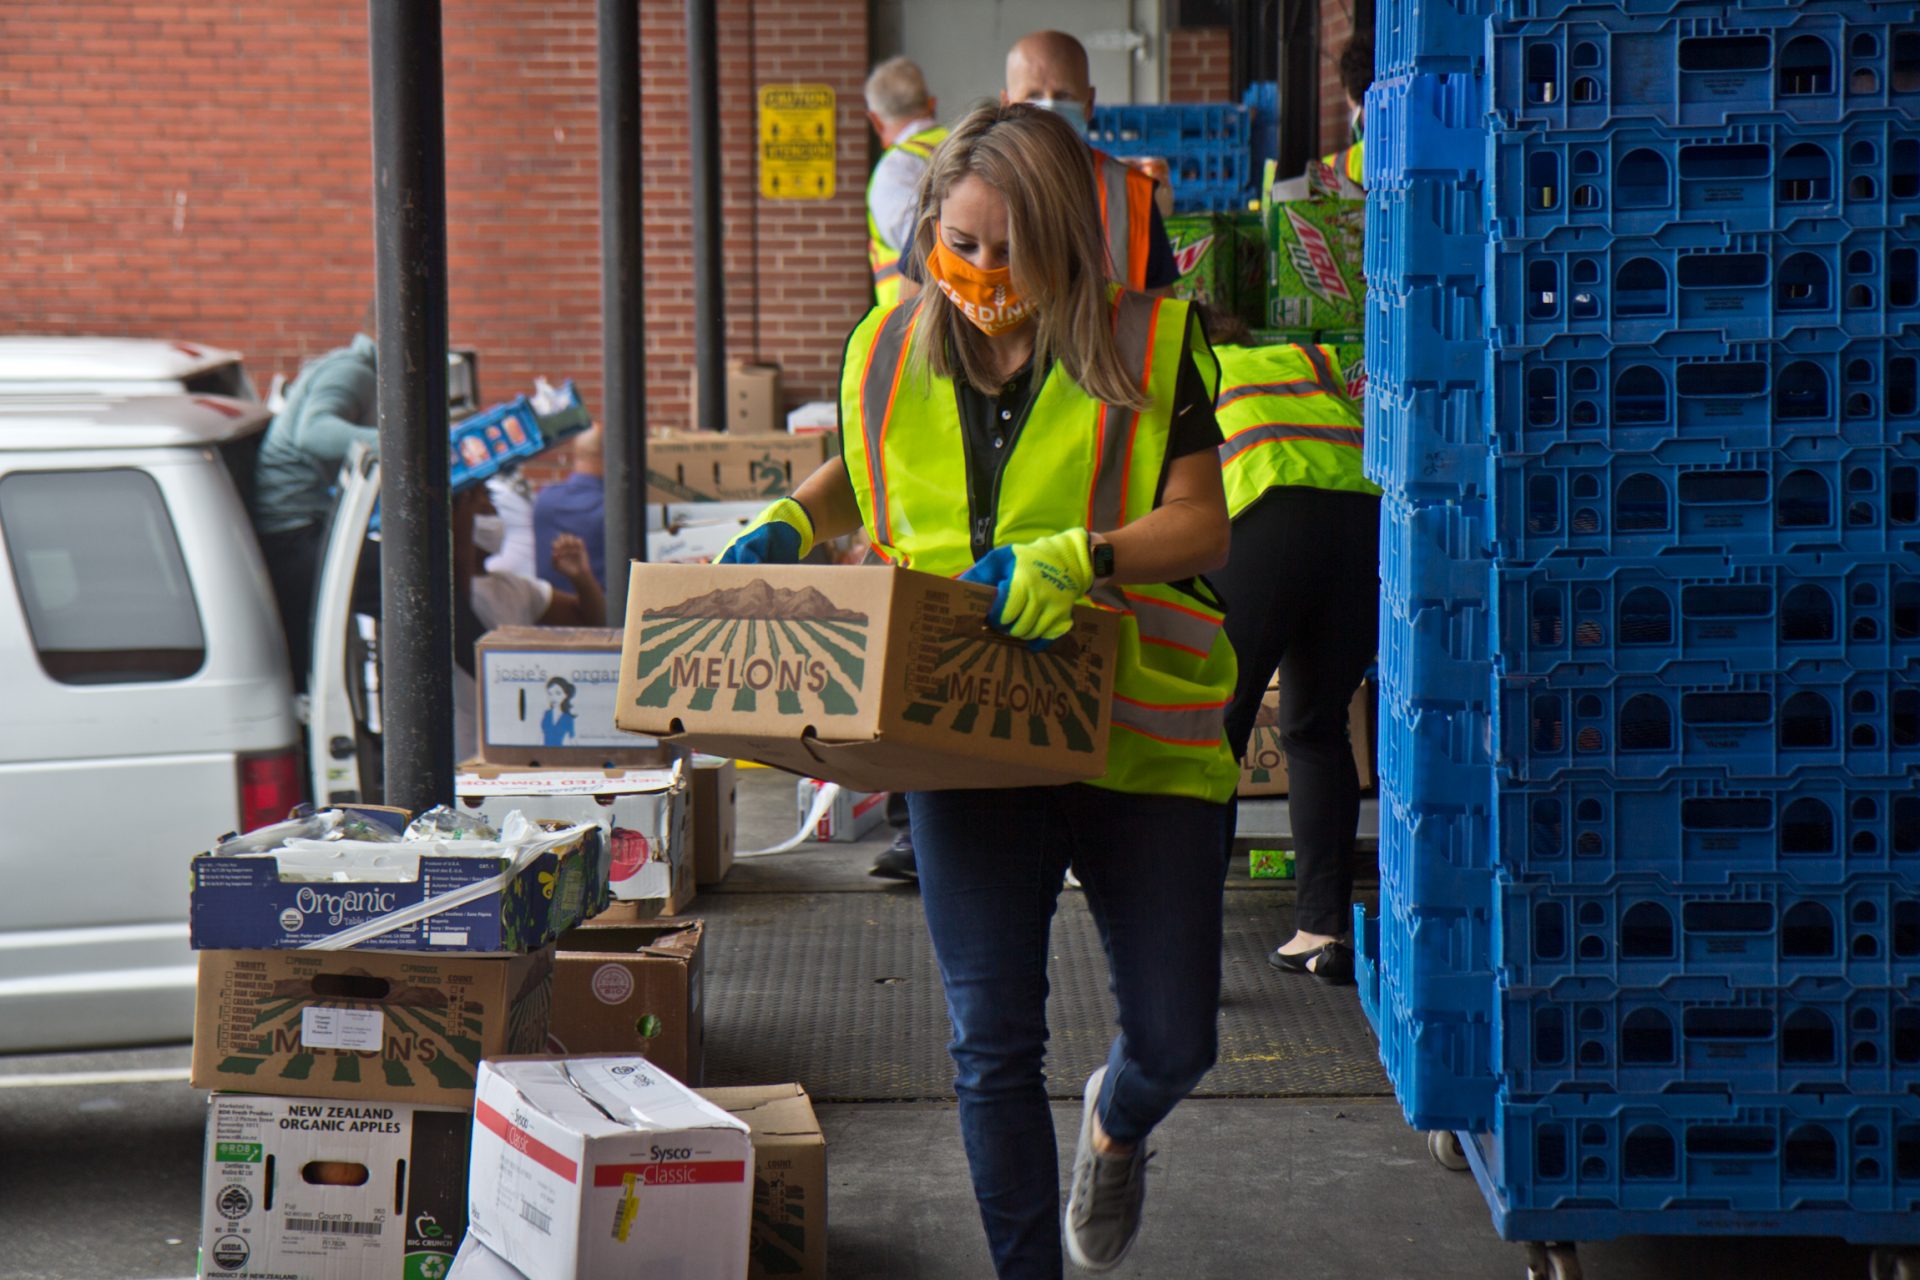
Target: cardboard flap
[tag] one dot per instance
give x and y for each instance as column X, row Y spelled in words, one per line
column 602, row 1096
column 771, row 1110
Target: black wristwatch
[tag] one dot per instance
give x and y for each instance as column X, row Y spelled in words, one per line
column 1101, row 553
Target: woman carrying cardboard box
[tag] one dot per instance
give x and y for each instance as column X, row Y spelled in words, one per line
column 1029, row 425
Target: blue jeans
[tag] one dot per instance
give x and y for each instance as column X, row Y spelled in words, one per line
column 991, row 867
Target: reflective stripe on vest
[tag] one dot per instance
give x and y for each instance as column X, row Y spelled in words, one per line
column 906, row 459
column 1126, row 211
column 883, row 257
column 1286, row 420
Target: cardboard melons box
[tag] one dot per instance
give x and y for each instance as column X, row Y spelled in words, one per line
column 876, row 678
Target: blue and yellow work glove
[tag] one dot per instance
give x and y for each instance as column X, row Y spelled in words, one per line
column 782, row 534
column 1035, row 585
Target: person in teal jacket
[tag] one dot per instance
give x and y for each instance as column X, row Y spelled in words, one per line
column 330, row 407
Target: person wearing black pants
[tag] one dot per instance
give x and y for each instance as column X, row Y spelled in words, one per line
column 1302, row 586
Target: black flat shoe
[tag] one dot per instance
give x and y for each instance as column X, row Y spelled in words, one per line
column 897, row 861
column 1335, row 967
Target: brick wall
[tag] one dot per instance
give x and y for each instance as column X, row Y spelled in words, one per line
column 1200, row 65
column 1336, row 26
column 203, row 170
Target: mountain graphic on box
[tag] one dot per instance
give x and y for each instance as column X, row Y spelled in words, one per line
column 760, row 599
column 1268, row 716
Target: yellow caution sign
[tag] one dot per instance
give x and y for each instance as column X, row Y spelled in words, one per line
column 796, row 141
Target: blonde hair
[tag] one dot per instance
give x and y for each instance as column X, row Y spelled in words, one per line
column 1058, row 251
column 897, row 91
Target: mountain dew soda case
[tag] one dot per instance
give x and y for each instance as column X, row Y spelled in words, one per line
column 875, row 678
column 1317, row 278
column 324, row 1189
column 1222, row 260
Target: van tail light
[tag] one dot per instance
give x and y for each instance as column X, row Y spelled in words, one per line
column 269, row 787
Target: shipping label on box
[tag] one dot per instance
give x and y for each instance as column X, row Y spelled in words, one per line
column 546, row 698
column 306, row 899
column 635, row 989
column 1317, row 276
column 329, row 1190
column 706, row 466
column 789, row 1180
column 593, row 1167
column 875, row 678
column 643, row 814
column 369, row 1025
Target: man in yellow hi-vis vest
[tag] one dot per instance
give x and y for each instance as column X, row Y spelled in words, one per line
column 902, row 113
column 1302, row 586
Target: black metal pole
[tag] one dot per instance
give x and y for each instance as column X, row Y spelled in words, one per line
column 622, row 298
column 410, row 274
column 1299, row 86
column 709, row 284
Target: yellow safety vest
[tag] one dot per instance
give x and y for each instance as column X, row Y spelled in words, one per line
column 1287, row 421
column 882, row 256
column 1077, row 462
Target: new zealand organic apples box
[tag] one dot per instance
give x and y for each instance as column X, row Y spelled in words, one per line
column 875, row 678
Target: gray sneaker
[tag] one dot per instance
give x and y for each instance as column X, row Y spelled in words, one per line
column 1103, row 1208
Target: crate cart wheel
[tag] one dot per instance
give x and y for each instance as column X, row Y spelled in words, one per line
column 1894, row 1263
column 1446, row 1151
column 1552, row 1262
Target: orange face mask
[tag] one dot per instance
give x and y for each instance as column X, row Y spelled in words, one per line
column 986, row 298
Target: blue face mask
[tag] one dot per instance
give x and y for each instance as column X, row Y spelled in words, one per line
column 1072, row 110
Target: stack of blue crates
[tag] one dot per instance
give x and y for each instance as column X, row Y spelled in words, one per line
column 1208, row 148
column 1644, row 350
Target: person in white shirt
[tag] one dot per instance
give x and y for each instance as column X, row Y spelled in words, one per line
column 902, row 114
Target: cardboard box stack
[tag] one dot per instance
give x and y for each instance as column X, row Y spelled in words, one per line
column 354, row 971
column 1222, row 259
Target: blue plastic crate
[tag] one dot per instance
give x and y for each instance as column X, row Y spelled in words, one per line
column 1707, row 828
column 1809, row 494
column 1435, row 552
column 1747, row 286
column 1743, row 395
column 1430, row 36
column 1434, row 655
column 1366, row 963
column 1428, row 335
column 1432, row 126
column 1434, row 759
column 1207, row 148
column 1758, row 932
column 1643, row 616
column 1810, row 64
column 1594, row 1167
column 1441, row 1066
column 1439, row 858
column 1425, row 231
column 1818, row 715
column 1637, row 179
column 1688, row 1034
column 1426, row 444
column 1262, row 101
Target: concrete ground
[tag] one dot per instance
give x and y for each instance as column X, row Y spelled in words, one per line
column 99, row 1168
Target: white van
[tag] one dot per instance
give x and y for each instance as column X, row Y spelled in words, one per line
column 145, row 705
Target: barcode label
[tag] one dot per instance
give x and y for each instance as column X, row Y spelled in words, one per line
column 335, row 1226
column 541, row 1222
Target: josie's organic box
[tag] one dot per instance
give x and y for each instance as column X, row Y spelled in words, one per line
column 546, row 698
column 789, row 1179
column 643, row 815
column 875, row 678
column 365, row 1025
column 590, row 1168
column 330, row 1190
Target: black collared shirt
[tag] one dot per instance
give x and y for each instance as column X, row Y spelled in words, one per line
column 990, row 426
